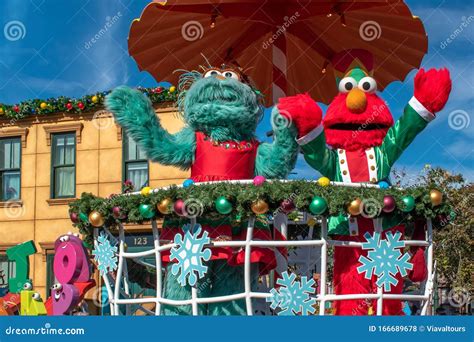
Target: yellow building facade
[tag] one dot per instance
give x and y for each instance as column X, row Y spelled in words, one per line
column 93, row 160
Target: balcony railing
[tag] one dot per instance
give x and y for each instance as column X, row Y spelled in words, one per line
column 118, row 287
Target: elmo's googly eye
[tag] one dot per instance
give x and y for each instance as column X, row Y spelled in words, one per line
column 213, row 73
column 230, row 74
column 368, row 85
column 36, row 296
column 347, row 84
column 27, row 286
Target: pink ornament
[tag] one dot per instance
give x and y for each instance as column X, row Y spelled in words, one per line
column 389, row 204
column 179, row 207
column 117, row 213
column 259, row 180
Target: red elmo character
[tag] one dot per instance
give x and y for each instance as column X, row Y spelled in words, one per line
column 358, row 142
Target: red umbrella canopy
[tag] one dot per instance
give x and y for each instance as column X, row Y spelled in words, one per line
column 284, row 46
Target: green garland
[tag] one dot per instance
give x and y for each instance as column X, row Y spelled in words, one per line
column 242, row 196
column 86, row 103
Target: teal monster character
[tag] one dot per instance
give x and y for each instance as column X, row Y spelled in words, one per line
column 221, row 111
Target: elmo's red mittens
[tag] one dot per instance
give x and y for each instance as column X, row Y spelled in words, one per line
column 302, row 110
column 432, row 88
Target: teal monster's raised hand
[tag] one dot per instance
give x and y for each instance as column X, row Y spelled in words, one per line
column 134, row 112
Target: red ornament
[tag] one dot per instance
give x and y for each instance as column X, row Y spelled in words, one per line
column 80, row 105
column 389, row 204
column 69, row 106
column 179, row 207
column 74, row 217
column 159, row 90
column 16, row 108
column 287, row 206
column 117, row 213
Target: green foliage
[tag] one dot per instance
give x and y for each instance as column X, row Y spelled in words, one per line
column 453, row 247
column 454, row 243
column 242, row 195
column 60, row 104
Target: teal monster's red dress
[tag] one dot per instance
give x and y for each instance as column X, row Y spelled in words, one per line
column 221, row 161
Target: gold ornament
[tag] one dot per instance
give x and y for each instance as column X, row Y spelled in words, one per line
column 324, row 181
column 1, row 111
column 436, row 197
column 95, row 99
column 145, row 191
column 172, row 89
column 43, row 105
column 259, row 207
column 96, row 219
column 354, row 208
column 164, row 206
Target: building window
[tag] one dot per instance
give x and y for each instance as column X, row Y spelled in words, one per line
column 7, row 271
column 50, row 278
column 10, row 164
column 135, row 164
column 63, row 165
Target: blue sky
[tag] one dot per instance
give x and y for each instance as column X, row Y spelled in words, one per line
column 52, row 59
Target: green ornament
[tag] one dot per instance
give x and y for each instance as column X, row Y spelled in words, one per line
column 84, row 217
column 408, row 203
column 146, row 210
column 318, row 205
column 223, row 206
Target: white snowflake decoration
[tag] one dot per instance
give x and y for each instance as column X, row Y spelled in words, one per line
column 190, row 255
column 104, row 254
column 293, row 296
column 385, row 259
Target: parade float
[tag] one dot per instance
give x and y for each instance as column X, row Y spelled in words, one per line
column 221, row 237
column 221, row 240
column 103, row 221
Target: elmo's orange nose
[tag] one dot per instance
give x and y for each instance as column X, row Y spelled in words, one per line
column 356, row 101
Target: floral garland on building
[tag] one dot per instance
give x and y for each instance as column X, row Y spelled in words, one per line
column 84, row 104
column 244, row 200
